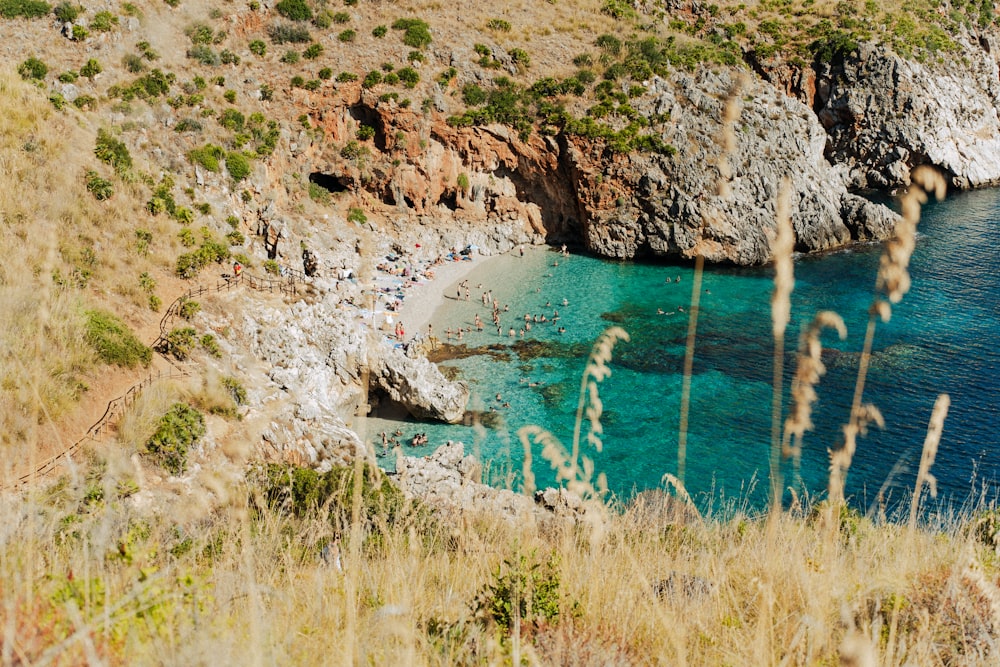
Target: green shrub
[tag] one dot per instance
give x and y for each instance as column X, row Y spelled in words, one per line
column 258, row 47
column 208, row 156
column 523, row 590
column 80, row 33
column 618, row 9
column 210, row 345
column 345, row 77
column 372, row 79
column 204, row 55
column 347, row 35
column 390, row 79
column 183, row 215
column 232, row 119
column 380, row 31
column 416, row 33
column 57, row 100
column 155, row 302
column 499, row 25
column 229, row 58
column 473, row 95
column 67, row 12
column 463, row 182
column 609, row 44
column 357, row 216
column 289, row 33
column 33, row 68
column 294, row 10
column 177, row 431
column 104, row 21
column 313, row 51
column 113, row 341
column 235, row 388
column 99, row 187
column 318, row 194
column 272, row 267
column 199, row 33
column 520, row 58
column 133, row 63
column 189, row 307
column 290, row 57
column 180, row 342
column 187, row 125
column 237, row 165
column 91, row 69
column 113, row 152
column 325, row 74
column 85, row 102
column 365, row 132
column 143, row 237
column 235, row 237
column 186, row 237
column 25, row 9
column 409, row 76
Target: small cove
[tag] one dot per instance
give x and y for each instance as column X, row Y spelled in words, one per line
column 940, row 339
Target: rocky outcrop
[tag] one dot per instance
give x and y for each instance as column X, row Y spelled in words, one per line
column 617, row 204
column 448, row 480
column 886, row 115
column 417, row 384
column 642, row 204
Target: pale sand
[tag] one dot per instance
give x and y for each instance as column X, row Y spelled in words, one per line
column 422, row 300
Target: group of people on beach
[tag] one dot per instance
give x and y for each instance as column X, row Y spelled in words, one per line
column 518, row 329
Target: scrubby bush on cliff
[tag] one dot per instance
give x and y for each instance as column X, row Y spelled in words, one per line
column 208, row 156
column 113, row 152
column 416, row 32
column 67, row 12
column 294, row 10
column 101, row 188
column 289, row 33
column 33, row 68
column 25, row 9
column 113, row 341
column 104, row 21
column 177, row 431
column 237, row 165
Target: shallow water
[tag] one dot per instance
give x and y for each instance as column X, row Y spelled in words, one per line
column 940, row 339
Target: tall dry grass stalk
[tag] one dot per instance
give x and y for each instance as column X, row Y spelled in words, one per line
column 781, row 313
column 924, row 476
column 727, row 140
column 574, row 468
column 893, row 281
column 809, row 369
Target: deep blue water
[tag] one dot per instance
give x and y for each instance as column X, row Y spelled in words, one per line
column 940, row 339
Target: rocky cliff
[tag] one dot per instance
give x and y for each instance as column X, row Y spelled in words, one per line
column 617, row 205
column 885, row 115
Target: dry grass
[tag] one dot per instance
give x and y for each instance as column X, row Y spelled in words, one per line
column 109, row 582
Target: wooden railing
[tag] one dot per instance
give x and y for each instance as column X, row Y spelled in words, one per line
column 287, row 284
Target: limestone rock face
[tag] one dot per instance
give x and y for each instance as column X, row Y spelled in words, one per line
column 494, row 188
column 416, row 383
column 886, row 115
column 643, row 204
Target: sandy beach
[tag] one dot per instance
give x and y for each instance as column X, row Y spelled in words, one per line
column 423, row 299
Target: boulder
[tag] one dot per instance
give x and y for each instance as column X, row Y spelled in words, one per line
column 418, row 385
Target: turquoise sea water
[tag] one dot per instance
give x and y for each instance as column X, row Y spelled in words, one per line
column 941, row 339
